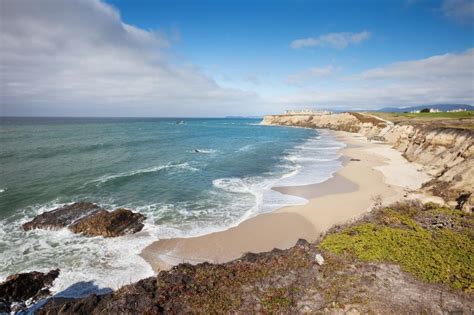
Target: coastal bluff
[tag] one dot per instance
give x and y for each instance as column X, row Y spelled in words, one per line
column 446, row 153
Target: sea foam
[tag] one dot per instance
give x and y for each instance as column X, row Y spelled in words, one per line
column 168, row 194
column 153, row 169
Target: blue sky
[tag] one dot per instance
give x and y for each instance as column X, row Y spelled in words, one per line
column 241, row 38
column 249, row 34
column 239, row 57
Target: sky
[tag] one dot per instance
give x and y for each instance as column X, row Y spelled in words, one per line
column 216, row 58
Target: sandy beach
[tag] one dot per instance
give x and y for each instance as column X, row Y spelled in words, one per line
column 371, row 173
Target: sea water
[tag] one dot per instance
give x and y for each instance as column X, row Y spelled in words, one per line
column 187, row 176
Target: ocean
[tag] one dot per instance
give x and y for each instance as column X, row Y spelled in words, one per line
column 187, row 176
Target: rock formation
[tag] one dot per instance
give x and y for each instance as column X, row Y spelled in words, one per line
column 315, row 278
column 446, row 153
column 89, row 219
column 109, row 224
column 278, row 282
column 17, row 289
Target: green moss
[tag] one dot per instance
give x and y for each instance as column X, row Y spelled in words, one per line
column 436, row 256
column 279, row 300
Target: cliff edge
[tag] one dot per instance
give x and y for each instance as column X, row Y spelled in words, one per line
column 445, row 153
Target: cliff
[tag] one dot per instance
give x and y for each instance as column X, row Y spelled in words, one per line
column 445, row 153
column 420, row 252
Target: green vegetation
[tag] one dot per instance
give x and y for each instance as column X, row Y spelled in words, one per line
column 441, row 115
column 219, row 287
column 457, row 120
column 434, row 244
column 360, row 273
column 426, row 116
column 279, row 300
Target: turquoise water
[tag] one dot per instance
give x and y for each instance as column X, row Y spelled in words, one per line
column 150, row 166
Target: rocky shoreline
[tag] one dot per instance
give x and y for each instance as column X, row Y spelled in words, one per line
column 89, row 219
column 320, row 277
column 404, row 258
column 446, row 153
column 21, row 290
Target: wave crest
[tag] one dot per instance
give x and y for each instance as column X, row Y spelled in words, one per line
column 106, row 178
column 233, row 185
column 205, row 151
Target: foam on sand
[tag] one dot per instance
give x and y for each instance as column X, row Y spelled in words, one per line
column 363, row 179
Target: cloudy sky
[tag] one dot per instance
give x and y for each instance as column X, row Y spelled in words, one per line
column 216, row 58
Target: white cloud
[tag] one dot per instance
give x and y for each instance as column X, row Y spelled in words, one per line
column 309, row 74
column 459, row 10
column 78, row 57
column 335, row 40
column 435, row 68
column 447, row 78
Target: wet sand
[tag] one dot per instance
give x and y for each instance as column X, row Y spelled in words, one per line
column 371, row 173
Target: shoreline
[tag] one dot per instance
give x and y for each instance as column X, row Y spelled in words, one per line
column 369, row 170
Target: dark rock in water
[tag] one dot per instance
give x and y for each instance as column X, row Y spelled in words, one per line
column 89, row 219
column 109, row 224
column 61, row 217
column 21, row 287
column 4, row 307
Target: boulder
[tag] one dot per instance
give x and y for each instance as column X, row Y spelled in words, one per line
column 61, row 217
column 109, row 224
column 21, row 287
column 89, row 219
column 319, row 259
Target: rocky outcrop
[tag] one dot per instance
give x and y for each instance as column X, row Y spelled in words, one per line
column 289, row 281
column 61, row 217
column 137, row 298
column 89, row 219
column 446, row 153
column 109, row 224
column 21, row 288
column 313, row 278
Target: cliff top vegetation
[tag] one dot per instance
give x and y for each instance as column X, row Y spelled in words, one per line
column 423, row 253
column 458, row 120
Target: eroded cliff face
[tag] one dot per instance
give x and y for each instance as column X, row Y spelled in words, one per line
column 447, row 154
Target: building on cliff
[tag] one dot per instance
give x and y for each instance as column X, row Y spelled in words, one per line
column 307, row 112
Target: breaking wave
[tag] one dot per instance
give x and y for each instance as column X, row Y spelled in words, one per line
column 106, row 178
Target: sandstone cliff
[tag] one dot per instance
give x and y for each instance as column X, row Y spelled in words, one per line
column 446, row 153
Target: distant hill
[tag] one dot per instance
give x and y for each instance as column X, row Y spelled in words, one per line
column 442, row 107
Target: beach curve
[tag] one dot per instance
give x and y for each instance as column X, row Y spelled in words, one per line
column 365, row 179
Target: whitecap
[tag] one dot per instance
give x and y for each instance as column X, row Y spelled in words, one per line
column 295, row 158
column 112, row 263
column 317, row 159
column 245, row 148
column 87, row 264
column 106, row 178
column 265, row 199
column 205, row 151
